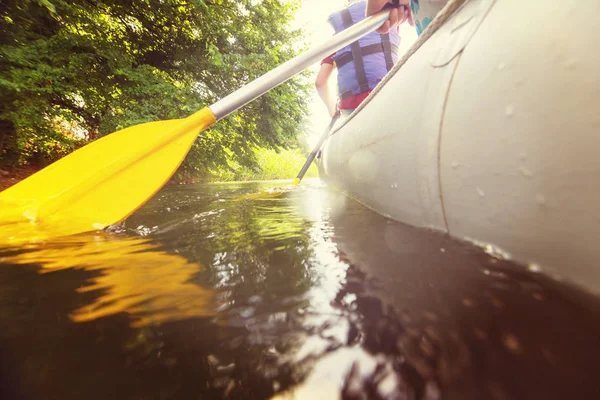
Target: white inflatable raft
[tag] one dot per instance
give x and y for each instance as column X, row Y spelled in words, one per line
column 490, row 132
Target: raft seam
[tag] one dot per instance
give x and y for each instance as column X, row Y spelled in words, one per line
column 458, row 58
column 439, row 141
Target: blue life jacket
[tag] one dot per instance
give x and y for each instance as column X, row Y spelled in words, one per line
column 362, row 64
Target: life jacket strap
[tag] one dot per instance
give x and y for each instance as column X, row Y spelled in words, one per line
column 368, row 50
column 359, row 65
column 387, row 51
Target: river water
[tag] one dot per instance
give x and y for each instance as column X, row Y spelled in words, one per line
column 259, row 290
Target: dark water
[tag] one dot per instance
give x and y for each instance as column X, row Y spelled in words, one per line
column 224, row 291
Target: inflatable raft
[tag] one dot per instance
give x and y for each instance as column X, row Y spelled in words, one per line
column 489, row 132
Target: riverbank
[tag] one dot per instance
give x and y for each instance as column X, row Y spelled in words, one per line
column 272, row 166
column 9, row 177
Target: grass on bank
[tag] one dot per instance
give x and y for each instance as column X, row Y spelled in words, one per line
column 284, row 164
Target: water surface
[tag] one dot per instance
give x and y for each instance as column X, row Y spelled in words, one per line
column 255, row 290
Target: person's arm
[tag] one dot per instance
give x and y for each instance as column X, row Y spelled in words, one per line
column 322, row 86
column 398, row 15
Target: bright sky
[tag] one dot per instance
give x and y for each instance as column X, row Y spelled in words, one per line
column 312, row 17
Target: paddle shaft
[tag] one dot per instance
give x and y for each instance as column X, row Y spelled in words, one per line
column 316, row 149
column 285, row 71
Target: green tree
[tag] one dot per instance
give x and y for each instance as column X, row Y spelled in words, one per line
column 96, row 66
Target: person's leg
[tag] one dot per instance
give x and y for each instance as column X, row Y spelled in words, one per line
column 424, row 11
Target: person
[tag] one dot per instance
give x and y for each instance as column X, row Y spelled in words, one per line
column 418, row 13
column 361, row 65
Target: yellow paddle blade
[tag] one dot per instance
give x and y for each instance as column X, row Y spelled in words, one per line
column 101, row 183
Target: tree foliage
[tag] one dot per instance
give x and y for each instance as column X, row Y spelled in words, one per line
column 83, row 69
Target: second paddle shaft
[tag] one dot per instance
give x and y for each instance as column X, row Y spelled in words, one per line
column 315, row 151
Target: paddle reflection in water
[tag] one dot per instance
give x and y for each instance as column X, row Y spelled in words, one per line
column 134, row 275
column 281, row 292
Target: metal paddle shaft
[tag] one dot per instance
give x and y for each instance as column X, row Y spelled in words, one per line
column 315, row 151
column 297, row 64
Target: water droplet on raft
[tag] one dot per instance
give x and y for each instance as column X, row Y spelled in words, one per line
column 540, row 199
column 509, row 110
column 525, row 172
column 480, row 192
column 501, row 66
